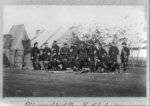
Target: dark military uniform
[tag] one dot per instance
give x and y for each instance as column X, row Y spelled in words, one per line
column 113, row 52
column 72, row 59
column 56, row 47
column 75, row 48
column 47, row 57
column 64, row 53
column 56, row 64
column 106, row 63
column 90, row 51
column 47, row 50
column 98, row 65
column 100, row 52
column 54, row 53
column 82, row 56
column 34, row 57
column 125, row 52
column 90, row 64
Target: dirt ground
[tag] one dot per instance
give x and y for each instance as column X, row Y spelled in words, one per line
column 29, row 83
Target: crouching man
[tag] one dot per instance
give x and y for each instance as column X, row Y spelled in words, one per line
column 106, row 63
column 98, row 65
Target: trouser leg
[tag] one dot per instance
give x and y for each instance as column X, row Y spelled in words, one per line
column 35, row 65
column 81, row 64
column 41, row 64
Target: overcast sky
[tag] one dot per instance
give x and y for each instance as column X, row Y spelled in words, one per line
column 52, row 17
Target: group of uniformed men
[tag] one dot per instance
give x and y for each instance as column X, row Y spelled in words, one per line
column 78, row 56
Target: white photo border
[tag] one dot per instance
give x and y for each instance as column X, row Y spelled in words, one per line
column 70, row 101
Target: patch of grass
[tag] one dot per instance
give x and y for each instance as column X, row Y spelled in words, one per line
column 27, row 83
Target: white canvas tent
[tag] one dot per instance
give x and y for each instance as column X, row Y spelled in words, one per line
column 68, row 37
column 17, row 46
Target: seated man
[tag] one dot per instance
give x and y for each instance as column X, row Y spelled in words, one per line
column 76, row 67
column 98, row 65
column 71, row 58
column 107, row 64
column 55, row 64
column 90, row 64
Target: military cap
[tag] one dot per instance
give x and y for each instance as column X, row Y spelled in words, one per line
column 124, row 43
column 35, row 43
column 65, row 43
column 113, row 42
column 55, row 41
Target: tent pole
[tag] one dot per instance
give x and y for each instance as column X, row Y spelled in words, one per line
column 15, row 58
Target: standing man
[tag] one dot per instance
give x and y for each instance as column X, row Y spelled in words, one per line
column 113, row 53
column 47, row 56
column 91, row 50
column 55, row 47
column 64, row 53
column 74, row 48
column 125, row 52
column 100, row 52
column 82, row 56
column 34, row 56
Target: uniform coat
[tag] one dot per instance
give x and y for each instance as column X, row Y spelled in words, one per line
column 34, row 54
column 56, row 47
column 90, row 51
column 64, row 52
column 100, row 52
column 113, row 52
column 125, row 52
